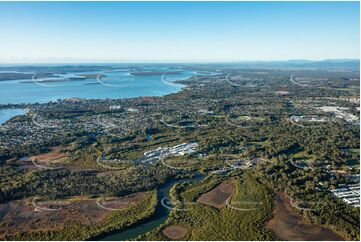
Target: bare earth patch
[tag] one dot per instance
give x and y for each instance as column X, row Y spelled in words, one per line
column 219, row 196
column 175, row 232
column 288, row 225
column 56, row 153
column 31, row 215
column 281, row 92
column 56, row 157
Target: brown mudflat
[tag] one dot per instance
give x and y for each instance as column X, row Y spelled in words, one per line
column 219, row 196
column 31, row 215
column 175, row 232
column 288, row 225
column 121, row 202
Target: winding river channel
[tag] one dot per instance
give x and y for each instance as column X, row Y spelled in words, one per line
column 159, row 217
column 285, row 223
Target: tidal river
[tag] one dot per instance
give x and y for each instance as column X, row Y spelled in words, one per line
column 159, row 217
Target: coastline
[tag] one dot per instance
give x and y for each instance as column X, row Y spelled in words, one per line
column 7, row 114
column 181, row 86
column 114, row 85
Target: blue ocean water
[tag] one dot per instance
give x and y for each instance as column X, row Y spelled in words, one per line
column 6, row 114
column 116, row 84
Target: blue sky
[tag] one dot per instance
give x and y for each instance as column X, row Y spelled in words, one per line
column 178, row 31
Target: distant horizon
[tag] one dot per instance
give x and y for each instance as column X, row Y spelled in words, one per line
column 76, row 61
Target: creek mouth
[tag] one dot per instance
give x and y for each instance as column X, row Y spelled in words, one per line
column 158, row 218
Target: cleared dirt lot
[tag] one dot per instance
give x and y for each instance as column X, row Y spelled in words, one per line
column 30, row 215
column 56, row 158
column 56, row 154
column 219, row 196
column 288, row 225
column 175, row 232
